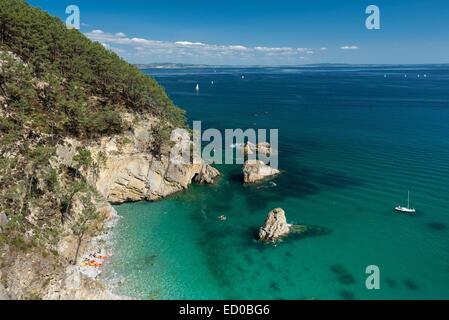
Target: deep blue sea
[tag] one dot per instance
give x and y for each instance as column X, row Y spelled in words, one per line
column 352, row 141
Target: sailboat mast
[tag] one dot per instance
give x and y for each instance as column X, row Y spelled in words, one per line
column 408, row 200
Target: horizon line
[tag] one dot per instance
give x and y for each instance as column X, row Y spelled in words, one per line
column 284, row 65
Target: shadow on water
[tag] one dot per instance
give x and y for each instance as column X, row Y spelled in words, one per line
column 236, row 177
column 307, row 231
column 296, row 184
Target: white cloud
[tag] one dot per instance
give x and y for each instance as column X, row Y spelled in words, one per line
column 238, row 48
column 268, row 49
column 151, row 50
column 349, row 47
column 188, row 43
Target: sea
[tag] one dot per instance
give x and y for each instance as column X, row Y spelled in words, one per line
column 353, row 141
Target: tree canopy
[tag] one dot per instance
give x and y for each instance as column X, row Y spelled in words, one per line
column 79, row 85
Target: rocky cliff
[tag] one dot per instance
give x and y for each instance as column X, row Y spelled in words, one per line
column 130, row 172
column 80, row 128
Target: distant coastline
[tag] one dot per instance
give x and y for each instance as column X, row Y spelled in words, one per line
column 168, row 65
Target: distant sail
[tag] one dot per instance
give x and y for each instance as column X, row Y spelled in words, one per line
column 197, row 87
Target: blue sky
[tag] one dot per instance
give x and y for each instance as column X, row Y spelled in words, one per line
column 265, row 32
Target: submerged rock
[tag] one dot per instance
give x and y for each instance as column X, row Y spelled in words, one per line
column 275, row 226
column 255, row 171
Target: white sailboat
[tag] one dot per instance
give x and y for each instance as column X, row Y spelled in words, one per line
column 406, row 209
column 197, row 88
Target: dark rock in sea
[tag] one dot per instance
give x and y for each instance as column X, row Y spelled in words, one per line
column 437, row 226
column 346, row 279
column 342, row 274
column 391, row 283
column 274, row 286
column 411, row 285
column 347, row 295
column 338, row 269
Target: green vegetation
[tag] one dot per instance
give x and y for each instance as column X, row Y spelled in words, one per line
column 80, row 226
column 56, row 83
column 79, row 85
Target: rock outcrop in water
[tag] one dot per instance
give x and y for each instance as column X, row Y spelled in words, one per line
column 256, row 170
column 275, row 226
column 263, row 148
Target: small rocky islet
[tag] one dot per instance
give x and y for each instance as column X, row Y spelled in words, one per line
column 276, row 228
column 254, row 170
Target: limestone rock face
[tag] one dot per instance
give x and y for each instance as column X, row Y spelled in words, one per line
column 275, row 226
column 255, row 171
column 3, row 294
column 3, row 222
column 263, row 148
column 132, row 173
column 3, row 219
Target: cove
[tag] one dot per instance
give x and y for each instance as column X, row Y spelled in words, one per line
column 336, row 142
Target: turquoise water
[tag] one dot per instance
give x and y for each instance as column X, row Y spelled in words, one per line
column 352, row 142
